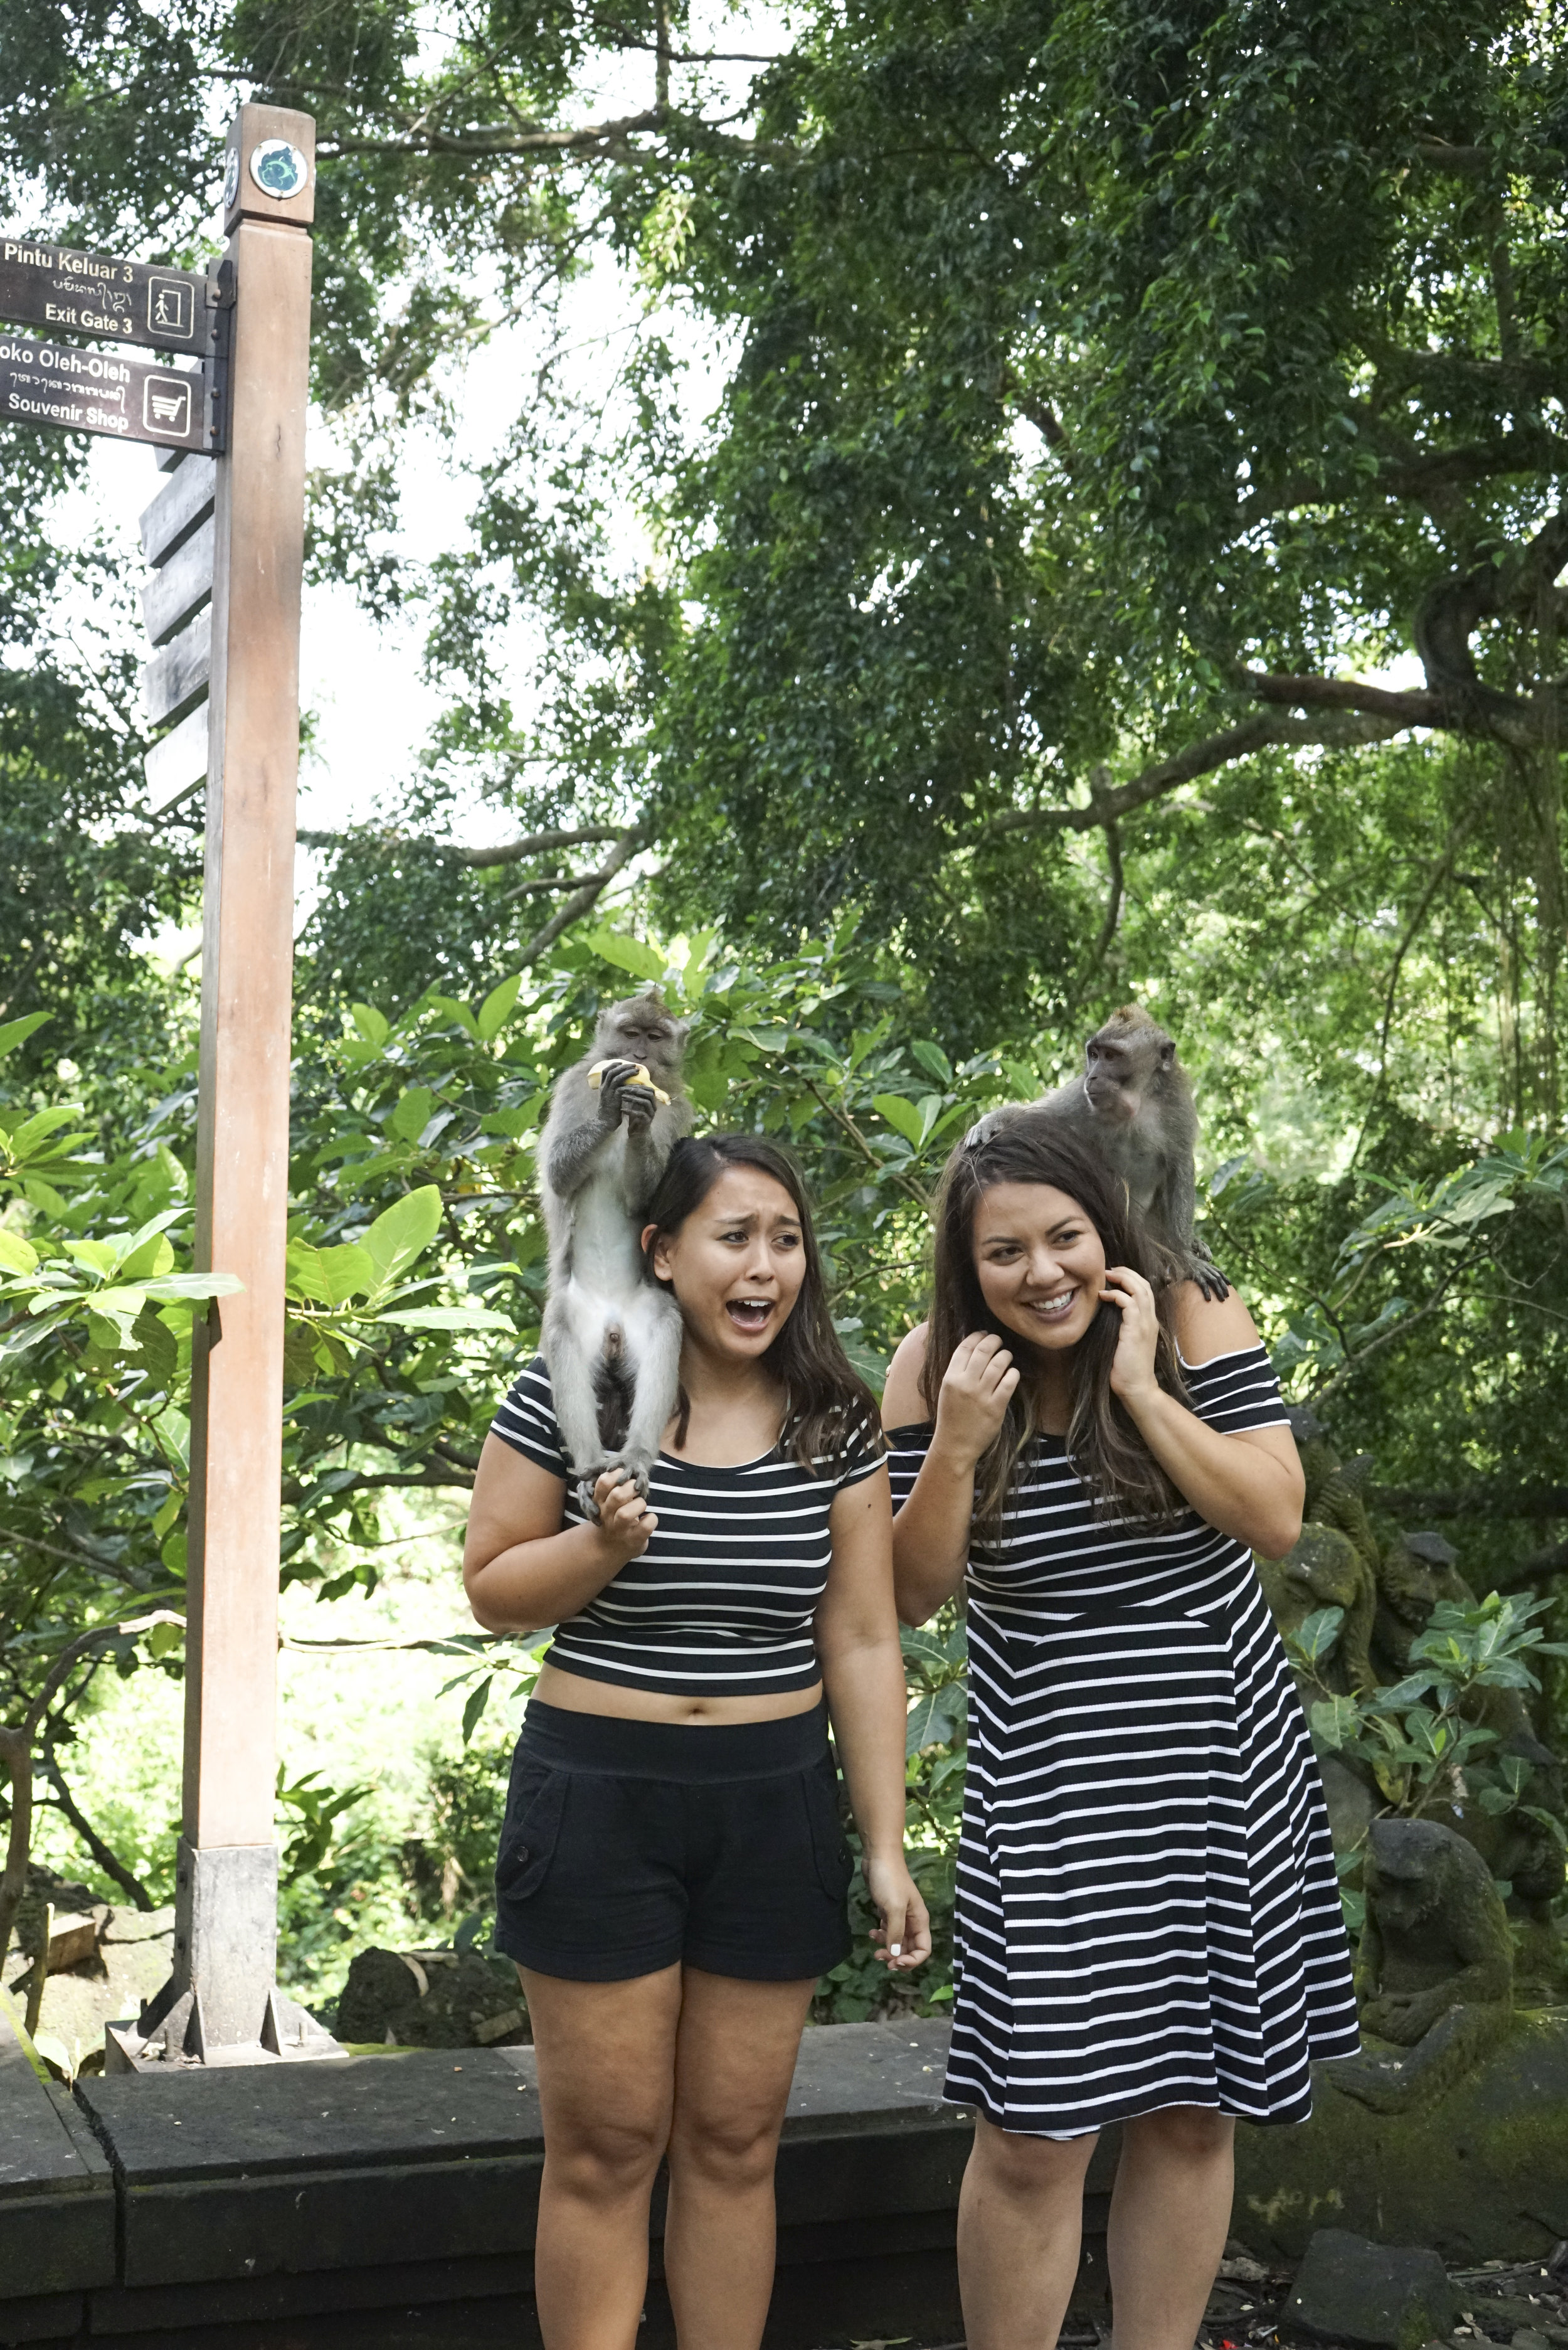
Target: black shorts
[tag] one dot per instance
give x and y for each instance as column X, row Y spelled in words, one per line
column 628, row 1846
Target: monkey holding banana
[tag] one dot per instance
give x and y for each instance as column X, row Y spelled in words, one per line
column 611, row 1338
column 1134, row 1106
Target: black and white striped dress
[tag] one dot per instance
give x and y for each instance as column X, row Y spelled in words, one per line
column 1148, row 1908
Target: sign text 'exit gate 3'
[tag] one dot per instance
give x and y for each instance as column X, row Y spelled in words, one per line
column 102, row 392
column 43, row 285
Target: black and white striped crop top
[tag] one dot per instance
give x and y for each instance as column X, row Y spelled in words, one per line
column 1054, row 1551
column 722, row 1601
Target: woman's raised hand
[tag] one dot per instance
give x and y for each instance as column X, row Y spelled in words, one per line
column 1132, row 1366
column 977, row 1388
column 626, row 1522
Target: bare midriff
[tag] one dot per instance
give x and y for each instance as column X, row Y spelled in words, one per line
column 576, row 1693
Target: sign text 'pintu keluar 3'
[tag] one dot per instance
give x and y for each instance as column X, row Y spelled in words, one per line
column 44, row 285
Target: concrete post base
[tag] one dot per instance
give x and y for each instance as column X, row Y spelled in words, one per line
column 221, row 2005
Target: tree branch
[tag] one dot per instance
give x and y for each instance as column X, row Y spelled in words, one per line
column 1199, row 759
column 873, row 1157
column 585, row 898
column 508, row 852
column 500, row 143
column 106, row 1857
column 1435, row 880
column 1409, row 709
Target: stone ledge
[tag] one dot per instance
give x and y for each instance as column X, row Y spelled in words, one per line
column 56, row 2197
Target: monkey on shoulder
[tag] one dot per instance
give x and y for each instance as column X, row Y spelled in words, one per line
column 611, row 1337
column 1134, row 1106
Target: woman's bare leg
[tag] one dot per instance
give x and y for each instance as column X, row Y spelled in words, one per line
column 733, row 2066
column 606, row 2073
column 1020, row 2217
column 1170, row 2214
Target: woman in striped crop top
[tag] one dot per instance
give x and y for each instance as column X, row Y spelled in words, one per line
column 672, row 1873
column 1148, row 1924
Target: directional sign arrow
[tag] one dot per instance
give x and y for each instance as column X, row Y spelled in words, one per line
column 43, row 285
column 102, row 392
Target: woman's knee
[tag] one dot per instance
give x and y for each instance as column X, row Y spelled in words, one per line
column 1030, row 2167
column 736, row 2149
column 1181, row 2133
column 595, row 2157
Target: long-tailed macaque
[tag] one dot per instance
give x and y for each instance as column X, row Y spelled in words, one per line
column 1134, row 1105
column 611, row 1337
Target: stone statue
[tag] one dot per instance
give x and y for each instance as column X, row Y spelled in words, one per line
column 1324, row 1569
column 1436, row 1967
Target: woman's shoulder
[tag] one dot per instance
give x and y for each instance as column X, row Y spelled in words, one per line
column 526, row 1418
column 1208, row 1327
column 903, row 1402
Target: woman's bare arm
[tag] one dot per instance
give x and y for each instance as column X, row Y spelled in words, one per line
column 520, row 1570
column 863, row 1673
column 1249, row 1484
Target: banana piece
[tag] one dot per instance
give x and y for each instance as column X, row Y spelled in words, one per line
column 597, row 1075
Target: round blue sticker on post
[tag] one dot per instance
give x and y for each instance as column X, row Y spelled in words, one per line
column 279, row 169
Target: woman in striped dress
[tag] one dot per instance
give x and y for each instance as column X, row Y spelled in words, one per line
column 672, row 1870
column 1148, row 1920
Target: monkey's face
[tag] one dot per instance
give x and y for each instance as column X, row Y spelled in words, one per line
column 736, row 1265
column 641, row 1029
column 1121, row 1062
column 1040, row 1261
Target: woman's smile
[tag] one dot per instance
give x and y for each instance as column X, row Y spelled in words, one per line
column 1055, row 1308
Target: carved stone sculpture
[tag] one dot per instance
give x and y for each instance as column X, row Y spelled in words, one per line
column 1436, row 1968
column 1324, row 1569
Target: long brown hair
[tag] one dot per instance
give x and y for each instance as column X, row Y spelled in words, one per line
column 1102, row 1439
column 828, row 1411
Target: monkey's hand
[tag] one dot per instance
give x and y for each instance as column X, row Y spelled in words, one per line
column 1209, row 1278
column 625, row 1520
column 626, row 1090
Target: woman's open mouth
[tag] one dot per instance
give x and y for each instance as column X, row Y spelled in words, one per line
column 749, row 1313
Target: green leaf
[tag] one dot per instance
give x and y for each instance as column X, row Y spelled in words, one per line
column 15, row 1256
column 402, row 1232
column 1335, row 1720
column 931, row 1721
column 934, row 1061
column 411, row 1116
column 901, row 1114
column 478, row 1699
column 373, row 1025
column 329, row 1276
column 17, row 1032
column 496, row 1008
column 923, row 1647
column 170, row 1286
column 1315, row 1636
column 627, row 953
column 446, row 1317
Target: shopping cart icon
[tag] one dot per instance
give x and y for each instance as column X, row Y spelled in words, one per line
column 171, row 308
column 166, row 407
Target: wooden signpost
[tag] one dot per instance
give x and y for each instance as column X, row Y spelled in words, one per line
column 224, row 539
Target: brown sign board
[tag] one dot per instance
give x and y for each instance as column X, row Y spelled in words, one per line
column 102, row 392
column 44, row 285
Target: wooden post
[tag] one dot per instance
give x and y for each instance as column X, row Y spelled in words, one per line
column 222, row 2002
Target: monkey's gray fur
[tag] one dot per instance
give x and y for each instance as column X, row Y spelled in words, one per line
column 611, row 1337
column 1134, row 1105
